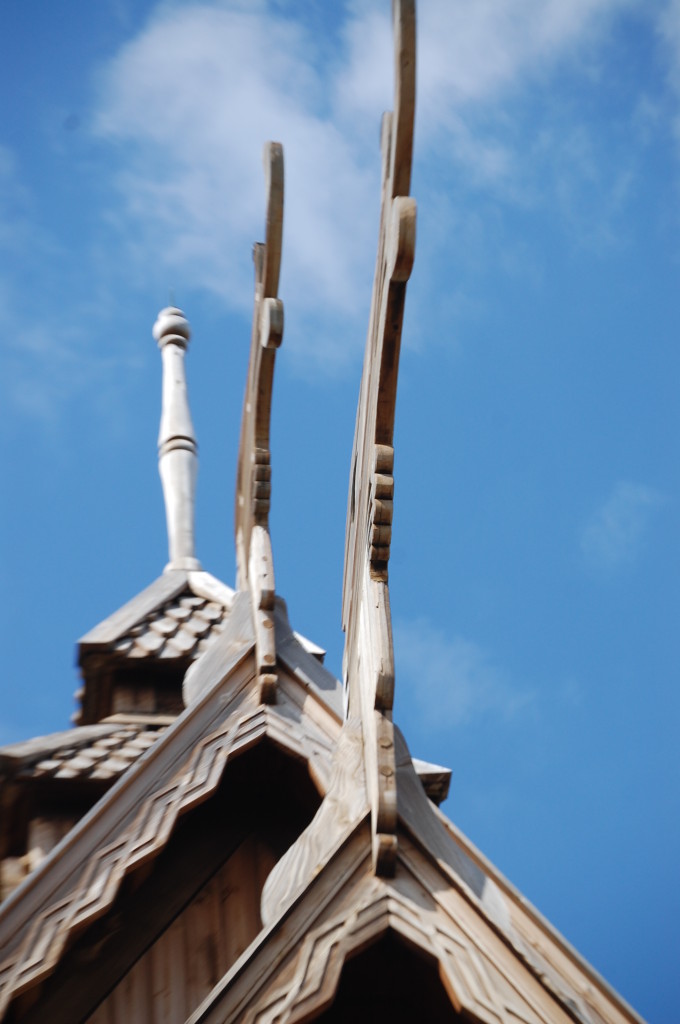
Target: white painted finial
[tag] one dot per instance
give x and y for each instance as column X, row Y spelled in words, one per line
column 177, row 449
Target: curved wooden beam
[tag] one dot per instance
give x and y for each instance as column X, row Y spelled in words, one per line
column 254, row 559
column 368, row 662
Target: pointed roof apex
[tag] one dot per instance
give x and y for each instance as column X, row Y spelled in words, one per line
column 177, row 448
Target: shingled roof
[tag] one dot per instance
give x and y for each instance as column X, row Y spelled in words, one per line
column 99, row 752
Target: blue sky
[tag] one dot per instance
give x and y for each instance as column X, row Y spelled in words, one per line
column 535, row 556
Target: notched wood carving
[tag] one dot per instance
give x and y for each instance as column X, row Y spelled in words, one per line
column 470, row 977
column 369, row 657
column 145, row 836
column 254, row 559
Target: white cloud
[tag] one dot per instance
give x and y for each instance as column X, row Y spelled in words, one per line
column 615, row 533
column 50, row 362
column 450, row 679
column 470, row 53
column 669, row 28
column 193, row 99
column 187, row 104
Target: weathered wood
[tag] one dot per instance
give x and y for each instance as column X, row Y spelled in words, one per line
column 62, row 877
column 163, row 589
column 341, row 812
column 292, row 972
column 223, row 655
column 435, row 779
column 189, row 958
column 204, row 584
column 369, row 658
column 133, row 824
column 107, row 957
column 304, row 665
column 255, row 563
column 15, row 756
column 251, row 975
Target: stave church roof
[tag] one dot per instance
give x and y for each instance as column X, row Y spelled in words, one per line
column 231, row 795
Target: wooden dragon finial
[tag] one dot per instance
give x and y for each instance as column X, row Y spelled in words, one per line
column 254, row 560
column 368, row 662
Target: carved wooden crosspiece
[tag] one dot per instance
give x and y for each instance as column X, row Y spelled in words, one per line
column 255, row 565
column 368, row 662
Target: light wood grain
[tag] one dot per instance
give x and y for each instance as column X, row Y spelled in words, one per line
column 369, row 659
column 254, row 559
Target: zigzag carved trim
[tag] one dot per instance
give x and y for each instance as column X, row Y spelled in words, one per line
column 147, row 835
column 471, row 980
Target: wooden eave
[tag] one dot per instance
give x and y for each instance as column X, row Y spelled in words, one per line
column 291, row 971
column 533, row 934
column 171, row 584
column 18, row 756
column 322, row 904
column 164, row 588
column 132, row 823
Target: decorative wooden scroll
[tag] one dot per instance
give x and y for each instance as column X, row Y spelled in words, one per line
column 369, row 658
column 255, row 564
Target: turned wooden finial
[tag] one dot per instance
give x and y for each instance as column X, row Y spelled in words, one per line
column 177, row 448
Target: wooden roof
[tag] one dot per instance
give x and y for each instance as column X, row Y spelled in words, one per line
column 322, row 902
column 175, row 616
column 376, row 863
column 99, row 752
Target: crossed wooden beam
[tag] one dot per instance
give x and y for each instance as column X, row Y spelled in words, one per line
column 368, row 662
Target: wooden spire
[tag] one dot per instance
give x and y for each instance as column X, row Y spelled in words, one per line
column 255, row 564
column 177, row 449
column 368, row 663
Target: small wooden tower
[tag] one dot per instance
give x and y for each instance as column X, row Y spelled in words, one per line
column 230, row 833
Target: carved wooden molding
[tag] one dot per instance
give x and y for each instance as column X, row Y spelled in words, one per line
column 470, row 974
column 146, row 835
column 369, row 656
column 254, row 559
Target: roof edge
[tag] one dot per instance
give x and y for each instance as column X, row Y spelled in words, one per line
column 163, row 589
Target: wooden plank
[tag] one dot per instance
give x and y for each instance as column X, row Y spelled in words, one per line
column 341, row 813
column 223, row 654
column 435, row 778
column 175, row 943
column 254, row 442
column 18, row 755
column 204, row 584
column 163, row 1003
column 102, row 1015
column 141, row 916
column 255, row 563
column 201, row 964
column 251, row 975
column 57, row 876
column 163, row 589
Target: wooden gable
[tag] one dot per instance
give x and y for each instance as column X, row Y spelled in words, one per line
column 230, row 771
column 274, row 855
